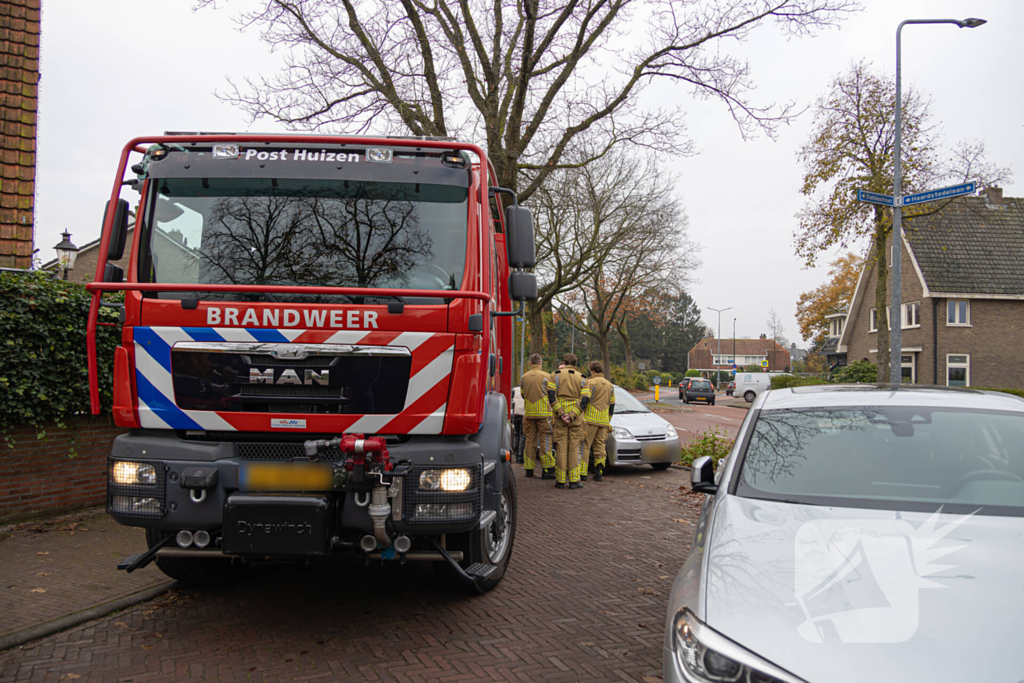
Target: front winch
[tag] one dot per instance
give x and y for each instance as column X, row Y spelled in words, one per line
column 369, row 460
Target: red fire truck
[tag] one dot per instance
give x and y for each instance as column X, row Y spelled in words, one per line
column 316, row 355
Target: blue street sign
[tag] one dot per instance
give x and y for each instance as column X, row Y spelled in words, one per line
column 941, row 193
column 874, row 198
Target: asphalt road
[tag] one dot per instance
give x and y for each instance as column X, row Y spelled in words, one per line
column 726, row 415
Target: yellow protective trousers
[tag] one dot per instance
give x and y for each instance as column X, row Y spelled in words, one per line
column 537, row 431
column 568, row 439
column 595, row 444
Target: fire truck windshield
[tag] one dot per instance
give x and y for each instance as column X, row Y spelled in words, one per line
column 304, row 232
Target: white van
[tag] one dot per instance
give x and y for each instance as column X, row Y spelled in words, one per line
column 749, row 385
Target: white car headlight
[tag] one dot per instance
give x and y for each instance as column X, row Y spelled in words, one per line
column 670, row 432
column 705, row 656
column 620, row 433
column 132, row 473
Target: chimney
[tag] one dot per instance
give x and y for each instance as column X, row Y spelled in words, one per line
column 764, row 336
column 993, row 197
column 793, row 345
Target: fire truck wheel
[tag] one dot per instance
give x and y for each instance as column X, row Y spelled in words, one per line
column 491, row 545
column 194, row 572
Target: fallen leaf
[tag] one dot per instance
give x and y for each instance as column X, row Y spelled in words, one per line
column 630, row 557
column 647, row 591
column 147, row 647
column 663, row 576
column 652, row 679
column 42, row 573
column 38, row 590
column 44, row 553
column 121, row 624
column 642, row 625
column 69, row 677
column 610, row 523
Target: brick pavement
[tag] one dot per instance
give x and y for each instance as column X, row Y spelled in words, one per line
column 584, row 599
column 59, row 566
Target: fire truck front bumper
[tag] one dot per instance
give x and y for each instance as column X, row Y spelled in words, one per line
column 256, row 499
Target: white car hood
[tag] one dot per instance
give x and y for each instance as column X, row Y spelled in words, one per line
column 641, row 424
column 842, row 594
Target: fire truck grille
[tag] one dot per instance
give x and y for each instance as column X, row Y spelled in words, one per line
column 280, row 452
column 291, row 391
column 315, row 361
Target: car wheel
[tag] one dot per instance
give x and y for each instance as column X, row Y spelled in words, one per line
column 660, row 466
column 194, row 571
column 749, row 396
column 491, row 545
column 712, row 401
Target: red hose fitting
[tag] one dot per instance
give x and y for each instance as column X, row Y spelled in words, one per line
column 376, row 447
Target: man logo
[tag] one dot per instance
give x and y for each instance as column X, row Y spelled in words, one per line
column 289, row 376
column 859, row 578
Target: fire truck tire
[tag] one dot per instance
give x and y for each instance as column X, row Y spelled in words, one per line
column 491, row 545
column 197, row 572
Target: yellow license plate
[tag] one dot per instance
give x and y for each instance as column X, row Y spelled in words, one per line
column 656, row 450
column 262, row 476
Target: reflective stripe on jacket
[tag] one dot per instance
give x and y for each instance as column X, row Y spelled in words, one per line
column 534, row 388
column 602, row 395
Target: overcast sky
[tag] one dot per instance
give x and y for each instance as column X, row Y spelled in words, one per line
column 114, row 69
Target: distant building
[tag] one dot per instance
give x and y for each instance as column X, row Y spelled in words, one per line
column 963, row 296
column 741, row 352
column 796, row 355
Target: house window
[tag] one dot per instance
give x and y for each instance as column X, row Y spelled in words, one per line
column 873, row 320
column 958, row 370
column 835, row 327
column 912, row 315
column 958, row 312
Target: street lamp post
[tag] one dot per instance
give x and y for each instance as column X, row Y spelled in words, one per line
column 734, row 341
column 66, row 253
column 896, row 322
column 718, row 370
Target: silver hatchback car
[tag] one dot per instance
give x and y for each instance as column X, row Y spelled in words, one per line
column 858, row 533
column 639, row 436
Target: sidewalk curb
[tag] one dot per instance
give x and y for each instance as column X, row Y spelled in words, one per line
column 57, row 625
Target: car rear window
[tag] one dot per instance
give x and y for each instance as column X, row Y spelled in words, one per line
column 700, row 384
column 899, row 458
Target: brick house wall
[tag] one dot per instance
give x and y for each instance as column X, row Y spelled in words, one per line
column 19, row 78
column 701, row 356
column 991, row 340
column 40, row 479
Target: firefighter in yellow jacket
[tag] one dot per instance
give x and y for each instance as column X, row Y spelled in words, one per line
column 597, row 419
column 568, row 394
column 537, row 419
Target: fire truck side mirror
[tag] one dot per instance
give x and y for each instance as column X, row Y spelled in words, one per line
column 522, row 286
column 119, row 231
column 522, row 252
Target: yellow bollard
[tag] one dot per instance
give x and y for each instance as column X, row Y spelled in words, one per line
column 657, row 392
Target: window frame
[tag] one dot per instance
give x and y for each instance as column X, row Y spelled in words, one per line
column 872, row 320
column 967, row 313
column 966, row 365
column 905, row 318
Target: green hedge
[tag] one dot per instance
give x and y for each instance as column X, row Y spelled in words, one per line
column 44, row 376
column 785, row 381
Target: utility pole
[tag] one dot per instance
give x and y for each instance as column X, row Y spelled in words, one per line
column 718, row 368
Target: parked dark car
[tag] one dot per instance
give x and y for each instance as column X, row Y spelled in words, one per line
column 699, row 390
column 729, row 388
column 683, row 383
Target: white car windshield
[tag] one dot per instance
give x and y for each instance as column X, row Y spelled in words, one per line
column 889, row 458
column 626, row 403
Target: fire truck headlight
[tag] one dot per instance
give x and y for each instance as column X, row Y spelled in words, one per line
column 455, row 480
column 430, row 480
column 133, row 473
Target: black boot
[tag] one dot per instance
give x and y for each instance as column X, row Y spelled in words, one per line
column 599, row 473
column 575, row 484
column 529, row 473
column 548, row 473
column 559, row 485
column 583, row 477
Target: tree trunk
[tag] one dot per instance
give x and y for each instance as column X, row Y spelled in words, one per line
column 549, row 322
column 882, row 295
column 627, row 344
column 536, row 315
column 606, row 356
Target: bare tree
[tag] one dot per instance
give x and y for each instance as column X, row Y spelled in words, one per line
column 530, row 79
column 642, row 225
column 776, row 329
